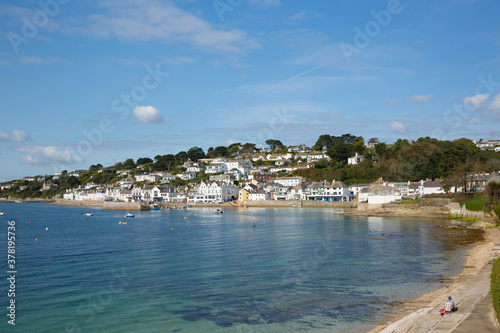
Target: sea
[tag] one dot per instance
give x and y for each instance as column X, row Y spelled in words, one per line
column 193, row 270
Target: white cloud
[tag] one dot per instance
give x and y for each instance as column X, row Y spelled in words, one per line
column 495, row 106
column 46, row 155
column 420, row 98
column 397, row 127
column 16, row 136
column 134, row 20
column 148, row 114
column 474, row 121
column 477, row 102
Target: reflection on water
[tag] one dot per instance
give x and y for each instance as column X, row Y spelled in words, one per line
column 192, row 270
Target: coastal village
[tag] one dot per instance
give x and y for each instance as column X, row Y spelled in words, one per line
column 248, row 177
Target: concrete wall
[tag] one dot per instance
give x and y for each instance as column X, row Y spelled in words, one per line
column 456, row 210
column 132, row 206
column 297, row 203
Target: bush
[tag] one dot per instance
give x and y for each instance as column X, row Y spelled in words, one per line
column 497, row 210
column 495, row 286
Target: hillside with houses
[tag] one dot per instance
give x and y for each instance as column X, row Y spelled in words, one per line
column 340, row 168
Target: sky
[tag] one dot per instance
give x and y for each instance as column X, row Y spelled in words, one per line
column 98, row 82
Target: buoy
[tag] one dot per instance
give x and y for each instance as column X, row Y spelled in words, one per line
column 172, row 229
column 46, row 229
column 185, row 217
column 31, row 222
column 206, row 222
column 36, row 239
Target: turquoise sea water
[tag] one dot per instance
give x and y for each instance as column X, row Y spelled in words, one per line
column 298, row 270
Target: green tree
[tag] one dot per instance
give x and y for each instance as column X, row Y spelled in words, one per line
column 274, row 144
column 129, row 164
column 248, row 148
column 220, row 151
column 144, row 160
column 195, row 154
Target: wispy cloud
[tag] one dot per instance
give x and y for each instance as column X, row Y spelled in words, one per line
column 420, row 98
column 397, row 127
column 171, row 61
column 265, row 3
column 28, row 60
column 415, row 98
column 158, row 21
column 47, row 155
column 14, row 136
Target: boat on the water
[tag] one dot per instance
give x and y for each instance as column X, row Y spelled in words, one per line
column 218, row 211
column 154, row 207
column 129, row 215
column 3, row 213
column 122, row 222
column 88, row 214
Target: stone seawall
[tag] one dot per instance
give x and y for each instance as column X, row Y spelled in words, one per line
column 107, row 205
column 132, row 206
column 400, row 210
column 462, row 211
column 297, row 203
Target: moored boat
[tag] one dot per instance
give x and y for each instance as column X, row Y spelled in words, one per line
column 88, row 214
column 129, row 215
column 3, row 213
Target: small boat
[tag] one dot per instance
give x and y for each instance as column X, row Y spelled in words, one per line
column 218, row 211
column 88, row 214
column 122, row 222
column 155, row 207
column 3, row 213
column 129, row 215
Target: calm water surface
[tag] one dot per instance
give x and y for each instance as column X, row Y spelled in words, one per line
column 298, row 270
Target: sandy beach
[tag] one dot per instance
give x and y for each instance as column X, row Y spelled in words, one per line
column 413, row 312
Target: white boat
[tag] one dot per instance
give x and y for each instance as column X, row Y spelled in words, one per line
column 3, row 213
column 88, row 214
column 129, row 215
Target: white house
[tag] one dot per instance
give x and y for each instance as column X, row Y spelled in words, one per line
column 150, row 178
column 195, row 168
column 337, row 191
column 355, row 159
column 430, row 187
column 216, row 192
column 259, row 195
column 167, row 178
column 168, row 193
column 216, row 168
column 288, row 181
column 315, row 157
column 380, row 194
column 188, row 175
column 356, row 188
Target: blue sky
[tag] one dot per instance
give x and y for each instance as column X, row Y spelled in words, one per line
column 87, row 82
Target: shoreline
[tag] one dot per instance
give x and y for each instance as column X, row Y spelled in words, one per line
column 406, row 317
column 248, row 204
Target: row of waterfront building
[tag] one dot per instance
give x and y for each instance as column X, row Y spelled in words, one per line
column 259, row 189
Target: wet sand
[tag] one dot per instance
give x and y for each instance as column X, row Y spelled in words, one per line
column 405, row 318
